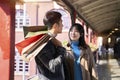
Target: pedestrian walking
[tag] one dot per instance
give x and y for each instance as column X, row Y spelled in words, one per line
column 117, row 49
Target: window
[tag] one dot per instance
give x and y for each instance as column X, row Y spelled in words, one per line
column 20, row 20
column 19, row 65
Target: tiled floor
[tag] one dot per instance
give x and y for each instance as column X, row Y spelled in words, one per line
column 109, row 69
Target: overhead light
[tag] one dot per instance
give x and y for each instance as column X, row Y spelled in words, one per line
column 116, row 29
column 109, row 40
column 110, row 33
column 113, row 31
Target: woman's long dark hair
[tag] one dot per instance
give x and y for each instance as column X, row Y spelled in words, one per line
column 82, row 43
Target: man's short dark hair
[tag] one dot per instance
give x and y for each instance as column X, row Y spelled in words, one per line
column 51, row 17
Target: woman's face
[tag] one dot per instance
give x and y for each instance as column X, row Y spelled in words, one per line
column 74, row 34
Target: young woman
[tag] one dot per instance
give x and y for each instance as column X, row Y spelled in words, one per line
column 84, row 65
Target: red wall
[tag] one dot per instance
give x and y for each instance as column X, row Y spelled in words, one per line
column 7, row 32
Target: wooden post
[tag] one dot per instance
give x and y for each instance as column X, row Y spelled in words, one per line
column 73, row 16
column 7, row 39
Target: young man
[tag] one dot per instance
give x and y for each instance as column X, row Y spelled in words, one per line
column 50, row 60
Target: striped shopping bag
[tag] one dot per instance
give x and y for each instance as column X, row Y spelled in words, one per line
column 31, row 46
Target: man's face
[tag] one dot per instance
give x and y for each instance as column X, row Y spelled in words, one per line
column 59, row 27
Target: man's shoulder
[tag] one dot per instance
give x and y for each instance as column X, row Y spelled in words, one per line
column 56, row 42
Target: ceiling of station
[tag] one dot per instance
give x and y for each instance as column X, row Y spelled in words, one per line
column 100, row 15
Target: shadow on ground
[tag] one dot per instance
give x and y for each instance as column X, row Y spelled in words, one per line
column 103, row 70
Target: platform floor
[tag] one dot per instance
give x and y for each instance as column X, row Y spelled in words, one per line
column 109, row 69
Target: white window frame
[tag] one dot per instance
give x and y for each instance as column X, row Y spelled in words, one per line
column 19, row 17
column 18, row 63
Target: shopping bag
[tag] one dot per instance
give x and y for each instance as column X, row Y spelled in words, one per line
column 30, row 47
column 35, row 40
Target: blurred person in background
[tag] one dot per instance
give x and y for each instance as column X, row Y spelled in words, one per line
column 117, row 49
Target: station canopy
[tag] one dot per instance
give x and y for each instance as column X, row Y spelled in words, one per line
column 102, row 16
